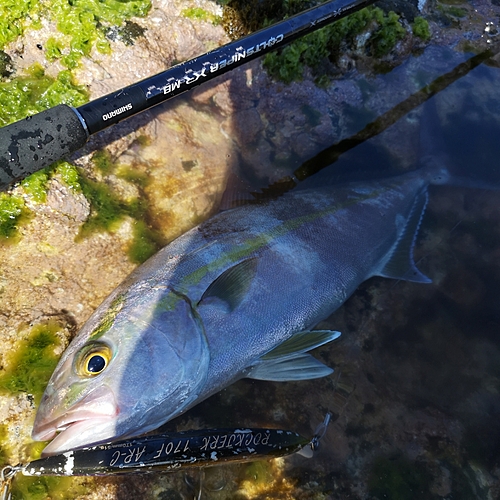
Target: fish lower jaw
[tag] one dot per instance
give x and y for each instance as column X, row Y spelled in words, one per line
column 52, row 429
column 77, row 434
column 90, row 420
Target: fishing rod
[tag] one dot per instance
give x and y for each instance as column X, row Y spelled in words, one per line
column 39, row 140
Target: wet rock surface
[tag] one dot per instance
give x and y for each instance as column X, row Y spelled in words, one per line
column 415, row 395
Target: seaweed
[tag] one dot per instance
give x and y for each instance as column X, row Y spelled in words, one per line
column 13, row 213
column 108, row 209
column 15, row 17
column 31, row 363
column 146, row 242
column 68, row 174
column 201, row 15
column 318, row 49
column 35, row 185
column 85, row 23
column 420, row 28
column 41, row 488
column 35, row 91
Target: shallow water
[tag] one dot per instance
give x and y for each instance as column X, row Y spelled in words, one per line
column 415, row 393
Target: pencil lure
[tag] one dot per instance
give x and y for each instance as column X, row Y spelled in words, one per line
column 170, row 451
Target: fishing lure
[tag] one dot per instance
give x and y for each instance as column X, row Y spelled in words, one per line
column 169, row 451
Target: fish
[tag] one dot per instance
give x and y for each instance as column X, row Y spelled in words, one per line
column 236, row 296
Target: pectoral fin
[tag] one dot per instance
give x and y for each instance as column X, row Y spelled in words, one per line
column 299, row 367
column 233, row 284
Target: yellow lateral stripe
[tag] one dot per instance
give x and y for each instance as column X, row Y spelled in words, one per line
column 258, row 242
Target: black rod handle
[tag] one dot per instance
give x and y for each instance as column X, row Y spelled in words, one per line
column 37, row 141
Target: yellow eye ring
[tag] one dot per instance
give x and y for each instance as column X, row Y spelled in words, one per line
column 93, row 359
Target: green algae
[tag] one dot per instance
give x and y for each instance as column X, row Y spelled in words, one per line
column 53, row 49
column 103, row 162
column 454, row 11
column 260, row 472
column 35, row 91
column 84, row 22
column 389, row 32
column 201, row 15
column 326, row 44
column 81, row 24
column 13, row 210
column 4, row 449
column 31, row 363
column 42, row 488
column 15, row 17
column 13, row 213
column 145, row 243
column 133, row 175
column 420, row 28
column 35, row 185
column 108, row 210
column 68, row 174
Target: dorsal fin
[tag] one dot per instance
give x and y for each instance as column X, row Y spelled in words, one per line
column 401, row 264
column 233, row 284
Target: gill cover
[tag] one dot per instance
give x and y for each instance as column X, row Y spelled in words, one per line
column 140, row 360
column 177, row 348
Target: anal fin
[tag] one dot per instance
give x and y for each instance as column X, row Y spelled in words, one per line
column 299, row 367
column 289, row 360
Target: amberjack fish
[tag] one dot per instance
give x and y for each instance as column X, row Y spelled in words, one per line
column 234, row 297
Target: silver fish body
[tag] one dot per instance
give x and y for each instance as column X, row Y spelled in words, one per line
column 234, row 297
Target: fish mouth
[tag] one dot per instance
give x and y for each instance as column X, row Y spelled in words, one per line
column 91, row 421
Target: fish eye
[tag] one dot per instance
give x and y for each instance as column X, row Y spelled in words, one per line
column 93, row 359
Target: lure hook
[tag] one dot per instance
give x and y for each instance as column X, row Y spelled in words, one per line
column 6, row 476
column 313, row 445
column 320, row 432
